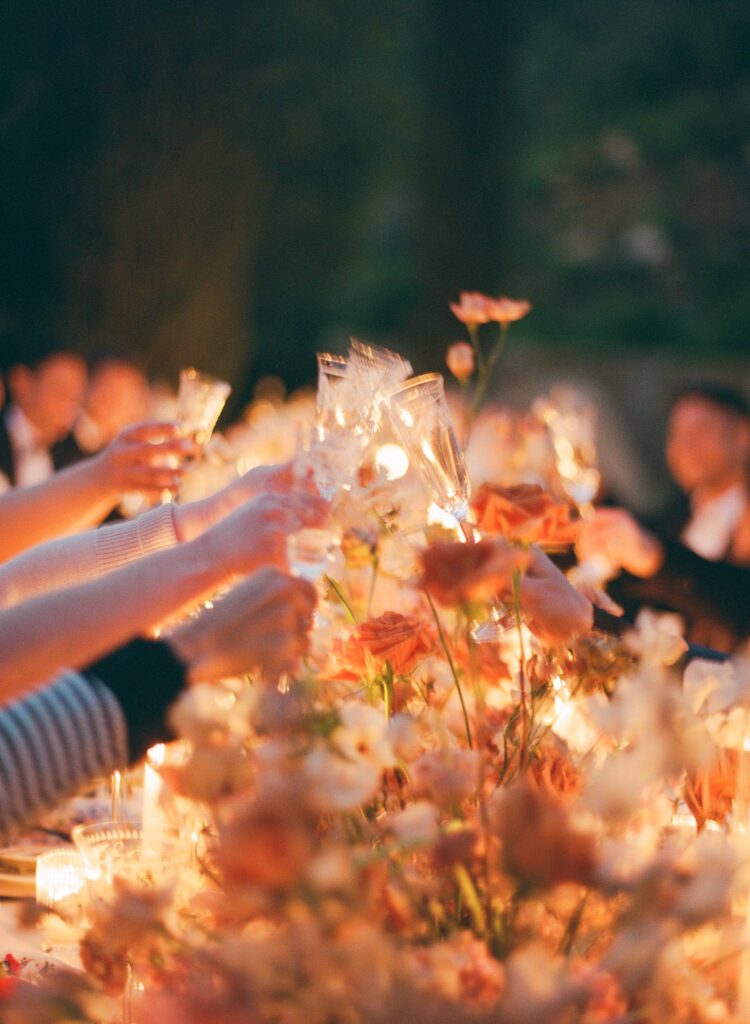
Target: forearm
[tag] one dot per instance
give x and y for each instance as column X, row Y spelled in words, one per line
column 71, row 560
column 82, row 726
column 68, row 628
column 70, row 501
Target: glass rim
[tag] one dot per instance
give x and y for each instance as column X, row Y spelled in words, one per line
column 109, row 829
column 189, row 373
column 412, row 385
column 413, row 382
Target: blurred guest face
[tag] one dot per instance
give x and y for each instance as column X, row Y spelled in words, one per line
column 117, row 396
column 707, row 446
column 50, row 394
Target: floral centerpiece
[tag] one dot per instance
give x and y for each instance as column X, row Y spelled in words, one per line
column 423, row 828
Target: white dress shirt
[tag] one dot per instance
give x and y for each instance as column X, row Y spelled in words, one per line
column 711, row 527
column 32, row 459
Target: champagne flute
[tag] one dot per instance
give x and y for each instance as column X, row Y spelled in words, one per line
column 421, row 418
column 200, row 400
column 571, row 423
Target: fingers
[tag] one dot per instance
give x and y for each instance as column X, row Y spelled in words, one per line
column 152, row 432
column 262, row 626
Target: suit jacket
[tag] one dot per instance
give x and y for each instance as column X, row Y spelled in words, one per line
column 60, row 459
column 712, row 596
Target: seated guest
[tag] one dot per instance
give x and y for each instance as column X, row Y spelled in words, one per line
column 46, row 382
column 695, row 560
column 116, row 396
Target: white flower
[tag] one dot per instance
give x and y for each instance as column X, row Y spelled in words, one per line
column 337, row 784
column 363, row 735
column 404, row 735
column 712, row 687
column 657, row 638
column 416, row 824
column 711, row 863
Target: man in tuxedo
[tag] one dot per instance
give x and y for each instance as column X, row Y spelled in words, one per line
column 696, row 559
column 45, row 382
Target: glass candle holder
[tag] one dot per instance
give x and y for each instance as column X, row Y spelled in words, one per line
column 60, row 883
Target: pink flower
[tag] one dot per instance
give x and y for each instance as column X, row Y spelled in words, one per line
column 472, row 308
column 505, row 310
column 460, row 360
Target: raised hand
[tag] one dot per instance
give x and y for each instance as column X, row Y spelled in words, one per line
column 147, row 457
column 613, row 534
column 262, row 626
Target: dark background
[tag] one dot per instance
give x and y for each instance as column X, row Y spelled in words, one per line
column 237, row 184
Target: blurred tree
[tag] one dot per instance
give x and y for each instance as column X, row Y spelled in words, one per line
column 237, row 184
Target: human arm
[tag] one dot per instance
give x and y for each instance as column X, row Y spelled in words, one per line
column 69, row 560
column 71, row 626
column 88, row 723
column 82, row 495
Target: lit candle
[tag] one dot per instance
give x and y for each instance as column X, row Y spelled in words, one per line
column 152, row 814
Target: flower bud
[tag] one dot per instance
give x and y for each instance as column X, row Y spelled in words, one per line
column 460, row 360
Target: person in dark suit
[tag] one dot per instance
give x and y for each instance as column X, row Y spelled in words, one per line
column 696, row 559
column 46, row 382
column 116, row 396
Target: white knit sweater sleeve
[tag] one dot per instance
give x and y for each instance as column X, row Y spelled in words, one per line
column 70, row 560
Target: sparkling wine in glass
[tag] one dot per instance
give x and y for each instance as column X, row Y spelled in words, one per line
column 421, row 419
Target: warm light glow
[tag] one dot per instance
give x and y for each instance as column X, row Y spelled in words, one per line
column 392, row 461
column 437, row 517
column 156, row 754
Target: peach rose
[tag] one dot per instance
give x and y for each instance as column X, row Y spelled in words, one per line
column 460, row 360
column 452, row 572
column 269, row 846
column 506, row 311
column 540, row 844
column 401, row 640
column 472, row 308
column 524, row 512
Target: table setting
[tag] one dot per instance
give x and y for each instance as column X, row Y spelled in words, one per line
column 453, row 809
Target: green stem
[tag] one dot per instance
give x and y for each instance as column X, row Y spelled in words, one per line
column 473, row 330
column 373, row 581
column 485, row 371
column 335, row 587
column 521, row 666
column 452, row 666
column 469, row 893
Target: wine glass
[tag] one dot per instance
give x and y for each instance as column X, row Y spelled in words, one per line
column 200, row 400
column 571, row 423
column 329, row 461
column 421, row 418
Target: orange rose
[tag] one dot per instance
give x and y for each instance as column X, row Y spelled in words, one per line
column 506, row 311
column 524, row 512
column 540, row 844
column 452, row 572
column 401, row 640
column 472, row 308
